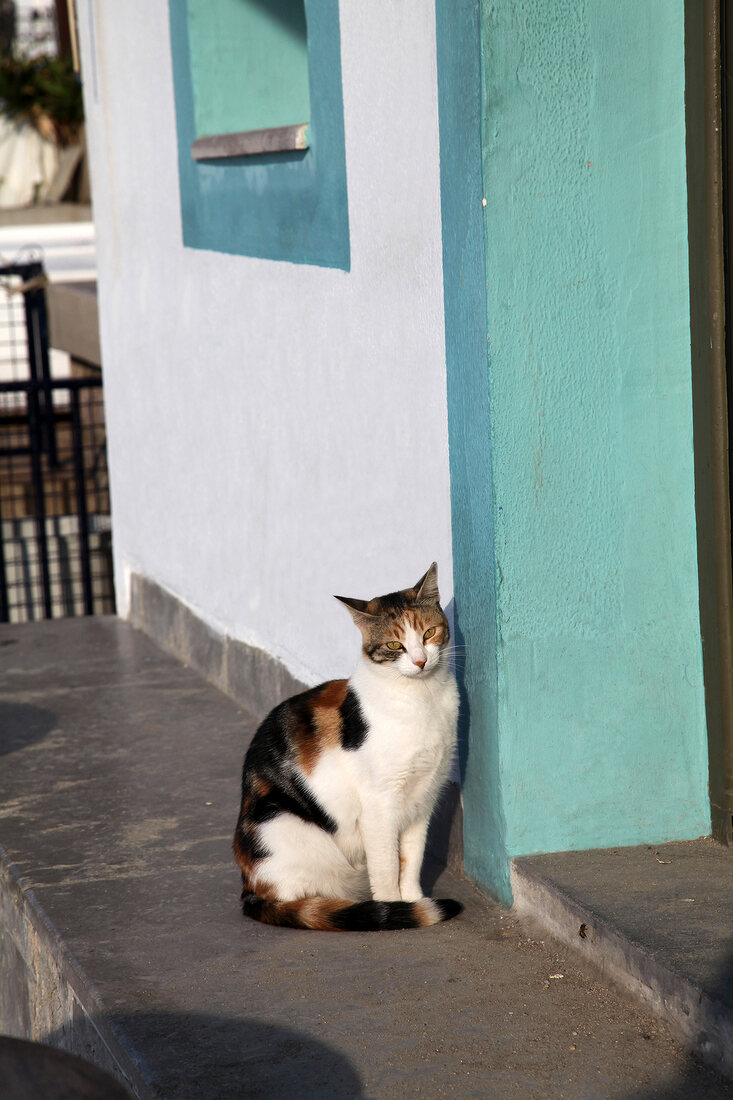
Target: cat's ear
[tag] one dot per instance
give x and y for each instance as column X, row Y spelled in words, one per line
column 357, row 609
column 427, row 587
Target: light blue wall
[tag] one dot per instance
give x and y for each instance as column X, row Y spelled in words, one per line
column 585, row 644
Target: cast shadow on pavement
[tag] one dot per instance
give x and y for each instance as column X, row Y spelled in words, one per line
column 200, row 1056
column 22, row 724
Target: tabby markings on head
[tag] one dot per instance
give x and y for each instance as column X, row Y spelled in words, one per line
column 384, row 620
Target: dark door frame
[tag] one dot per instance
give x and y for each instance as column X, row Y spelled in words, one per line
column 708, row 42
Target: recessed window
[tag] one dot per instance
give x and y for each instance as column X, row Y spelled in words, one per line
column 259, row 115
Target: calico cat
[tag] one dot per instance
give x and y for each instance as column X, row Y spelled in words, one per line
column 340, row 782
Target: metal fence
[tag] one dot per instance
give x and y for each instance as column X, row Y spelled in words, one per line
column 55, row 530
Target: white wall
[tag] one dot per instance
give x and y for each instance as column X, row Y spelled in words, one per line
column 277, row 432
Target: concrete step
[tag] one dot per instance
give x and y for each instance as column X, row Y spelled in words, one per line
column 656, row 920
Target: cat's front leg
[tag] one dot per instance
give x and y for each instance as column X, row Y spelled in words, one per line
column 381, row 846
column 412, row 851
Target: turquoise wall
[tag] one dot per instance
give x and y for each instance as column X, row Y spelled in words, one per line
column 458, row 40
column 573, row 470
column 249, row 64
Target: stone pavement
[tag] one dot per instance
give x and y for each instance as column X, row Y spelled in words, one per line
column 122, row 938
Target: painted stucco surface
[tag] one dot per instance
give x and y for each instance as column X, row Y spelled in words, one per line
column 277, row 432
column 601, row 734
column 458, row 27
column 249, row 64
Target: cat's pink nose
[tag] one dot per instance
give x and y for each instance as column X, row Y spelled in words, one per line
column 420, row 663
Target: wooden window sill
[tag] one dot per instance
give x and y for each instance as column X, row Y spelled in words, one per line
column 250, row 143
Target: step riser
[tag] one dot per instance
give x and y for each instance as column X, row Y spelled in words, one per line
column 702, row 1023
column 44, row 994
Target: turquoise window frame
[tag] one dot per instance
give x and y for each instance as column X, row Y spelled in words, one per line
column 291, row 205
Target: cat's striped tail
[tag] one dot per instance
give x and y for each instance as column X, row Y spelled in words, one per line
column 339, row 915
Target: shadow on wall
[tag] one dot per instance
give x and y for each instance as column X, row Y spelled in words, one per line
column 205, row 1057
column 464, row 715
column 261, row 158
column 290, row 13
column 445, row 837
column 458, row 656
column 22, row 724
column 444, row 847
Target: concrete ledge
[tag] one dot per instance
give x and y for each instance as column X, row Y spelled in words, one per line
column 121, row 934
column 659, row 961
column 119, row 787
column 248, row 675
column 248, row 143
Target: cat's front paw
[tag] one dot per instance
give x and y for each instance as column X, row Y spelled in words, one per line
column 412, row 895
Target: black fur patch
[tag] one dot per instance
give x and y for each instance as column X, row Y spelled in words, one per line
column 271, row 758
column 448, row 907
column 269, row 746
column 380, row 653
column 252, row 905
column 250, row 845
column 367, row 916
column 395, row 603
column 290, row 796
column 353, row 726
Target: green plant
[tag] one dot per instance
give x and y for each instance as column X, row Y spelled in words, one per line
column 44, row 91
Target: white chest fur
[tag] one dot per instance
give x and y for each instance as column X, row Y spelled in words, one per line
column 406, row 756
column 411, row 723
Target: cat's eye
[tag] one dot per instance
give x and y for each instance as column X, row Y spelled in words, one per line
column 428, row 633
column 394, row 645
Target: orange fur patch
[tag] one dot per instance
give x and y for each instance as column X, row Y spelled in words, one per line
column 244, row 861
column 251, row 883
column 332, row 694
column 317, row 913
column 427, row 912
column 260, row 786
column 263, row 889
column 313, row 913
column 327, row 722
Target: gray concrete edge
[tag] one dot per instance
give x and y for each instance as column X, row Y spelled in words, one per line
column 258, row 682
column 253, row 678
column 45, row 995
column 684, row 1007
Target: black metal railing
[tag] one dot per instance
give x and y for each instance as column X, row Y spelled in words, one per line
column 55, row 530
